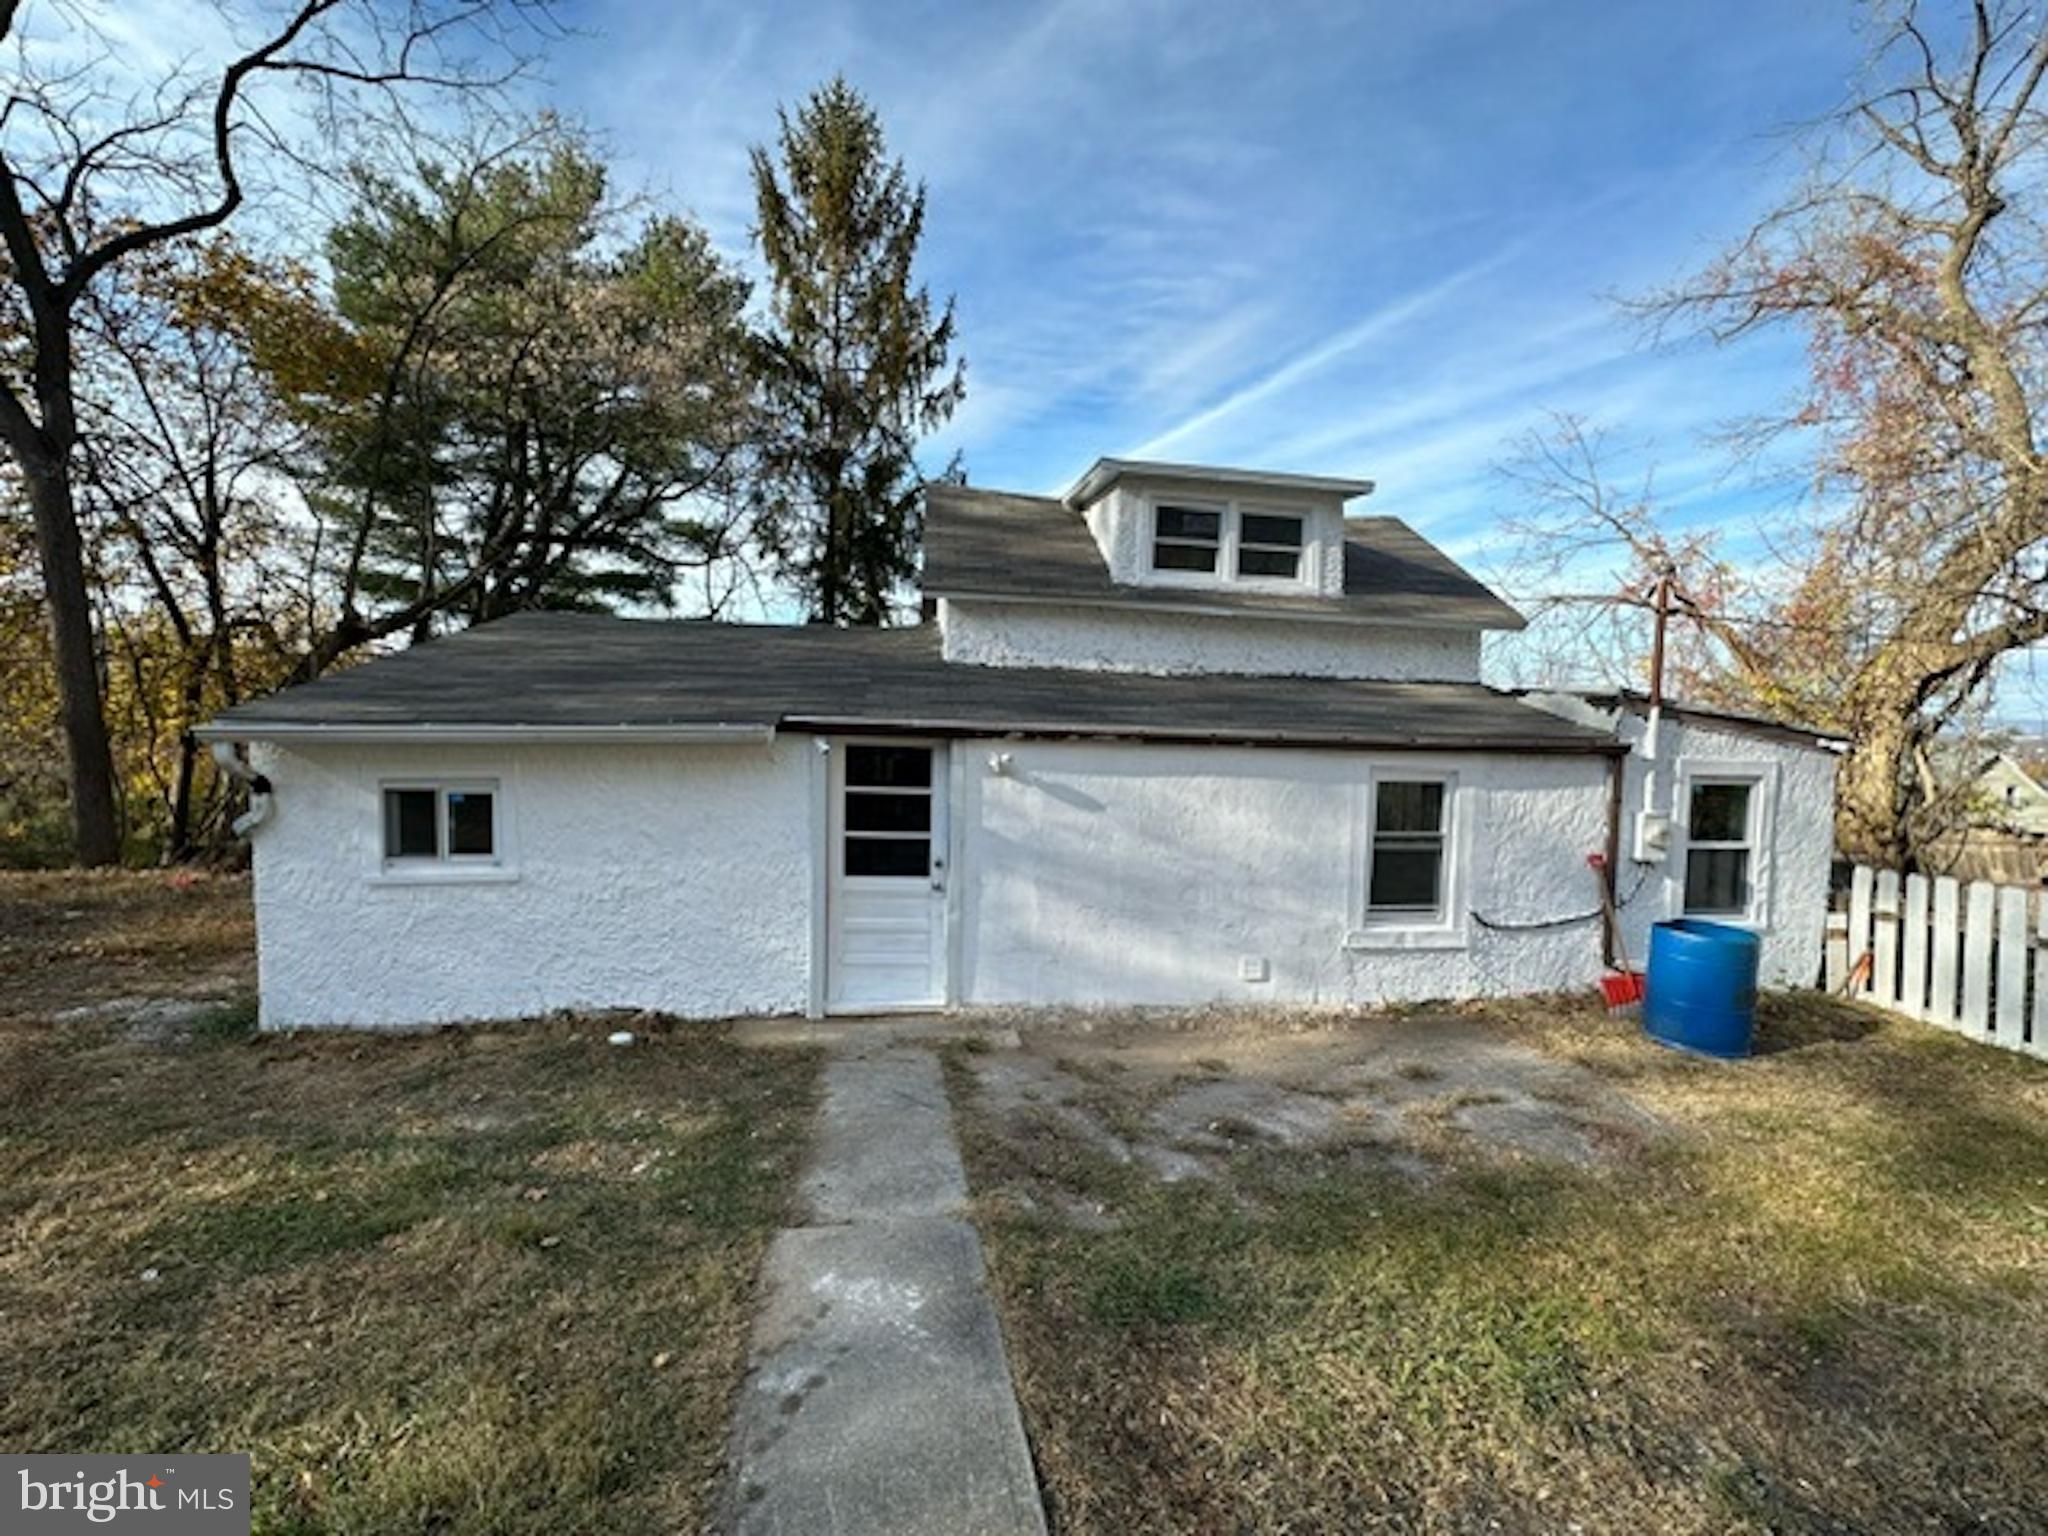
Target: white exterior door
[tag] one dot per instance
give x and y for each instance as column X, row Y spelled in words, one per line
column 886, row 897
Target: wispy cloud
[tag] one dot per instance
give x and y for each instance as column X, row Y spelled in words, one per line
column 1361, row 238
column 1375, row 327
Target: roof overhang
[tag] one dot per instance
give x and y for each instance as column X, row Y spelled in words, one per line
column 300, row 733
column 1105, row 473
column 1376, row 741
column 343, row 734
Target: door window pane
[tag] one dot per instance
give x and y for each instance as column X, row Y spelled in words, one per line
column 888, row 767
column 894, row 856
column 888, row 813
column 469, row 823
column 409, row 824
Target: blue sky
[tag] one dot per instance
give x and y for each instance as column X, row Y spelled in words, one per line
column 1362, row 239
column 1378, row 238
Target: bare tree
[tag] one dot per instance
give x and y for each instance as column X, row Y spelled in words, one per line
column 1915, row 266
column 91, row 176
column 195, row 534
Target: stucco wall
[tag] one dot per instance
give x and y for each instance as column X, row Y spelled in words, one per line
column 669, row 877
column 681, row 878
column 1128, row 640
column 1799, row 851
column 1097, row 874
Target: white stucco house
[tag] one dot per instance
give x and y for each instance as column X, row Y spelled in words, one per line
column 1184, row 736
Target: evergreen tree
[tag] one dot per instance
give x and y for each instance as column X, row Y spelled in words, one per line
column 855, row 364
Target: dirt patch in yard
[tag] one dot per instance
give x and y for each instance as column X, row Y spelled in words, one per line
column 1513, row 1268
column 1177, row 1098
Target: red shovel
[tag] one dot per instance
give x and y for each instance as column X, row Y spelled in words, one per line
column 1622, row 988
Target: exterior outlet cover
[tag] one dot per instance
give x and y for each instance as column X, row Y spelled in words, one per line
column 1252, row 968
column 1653, row 837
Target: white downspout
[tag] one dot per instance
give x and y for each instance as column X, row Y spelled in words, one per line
column 229, row 761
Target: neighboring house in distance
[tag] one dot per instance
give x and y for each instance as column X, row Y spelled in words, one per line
column 1185, row 736
column 2003, row 833
column 2010, row 799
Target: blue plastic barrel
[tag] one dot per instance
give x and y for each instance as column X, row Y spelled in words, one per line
column 1700, row 992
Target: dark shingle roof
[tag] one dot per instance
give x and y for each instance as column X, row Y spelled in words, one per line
column 546, row 670
column 1637, row 702
column 998, row 544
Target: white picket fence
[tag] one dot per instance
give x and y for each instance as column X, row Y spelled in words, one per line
column 1972, row 958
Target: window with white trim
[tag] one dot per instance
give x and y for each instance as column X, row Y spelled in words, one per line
column 440, row 823
column 1406, row 866
column 1269, row 545
column 1186, row 538
column 1225, row 539
column 1720, row 847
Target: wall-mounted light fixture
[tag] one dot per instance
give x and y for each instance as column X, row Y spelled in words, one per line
column 1001, row 763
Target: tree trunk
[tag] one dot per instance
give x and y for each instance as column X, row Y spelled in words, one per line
column 96, row 830
column 1870, row 794
column 829, row 573
column 178, row 835
column 178, row 841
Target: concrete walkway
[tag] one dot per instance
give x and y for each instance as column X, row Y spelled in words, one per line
column 879, row 1400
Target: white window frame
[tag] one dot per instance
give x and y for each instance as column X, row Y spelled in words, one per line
column 442, row 866
column 1762, row 779
column 1239, row 544
column 1449, row 927
column 1230, row 541
column 1187, row 504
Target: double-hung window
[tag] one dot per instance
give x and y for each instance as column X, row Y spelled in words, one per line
column 1269, row 545
column 1720, row 847
column 1406, row 862
column 1186, row 538
column 1224, row 539
column 447, row 823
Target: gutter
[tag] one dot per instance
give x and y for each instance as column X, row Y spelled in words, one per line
column 345, row 734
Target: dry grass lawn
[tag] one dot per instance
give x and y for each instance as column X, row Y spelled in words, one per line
column 1815, row 1301
column 496, row 1280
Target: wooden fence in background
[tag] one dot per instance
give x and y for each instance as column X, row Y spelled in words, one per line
column 1968, row 957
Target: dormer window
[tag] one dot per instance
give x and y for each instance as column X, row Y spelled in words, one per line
column 1227, row 539
column 1186, row 538
column 1269, row 544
